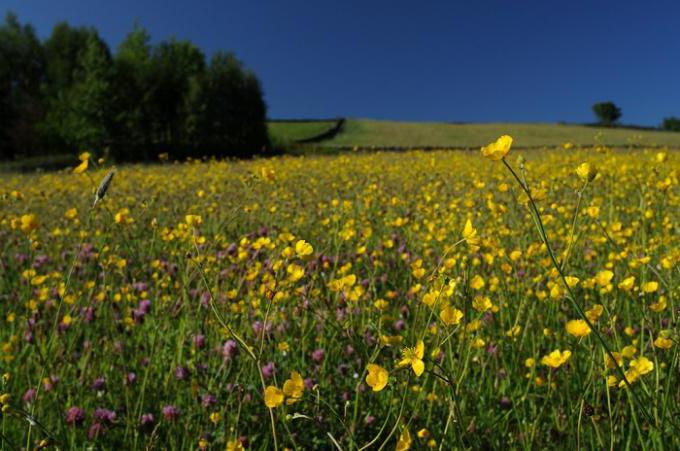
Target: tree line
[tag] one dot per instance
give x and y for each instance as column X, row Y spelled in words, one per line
column 70, row 93
column 608, row 115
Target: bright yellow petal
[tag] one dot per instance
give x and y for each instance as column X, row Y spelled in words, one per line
column 82, row 167
column 420, row 349
column 418, row 367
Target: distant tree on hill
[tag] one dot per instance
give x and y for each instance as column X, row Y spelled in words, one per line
column 607, row 113
column 671, row 124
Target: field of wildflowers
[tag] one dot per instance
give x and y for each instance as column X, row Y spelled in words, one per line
column 444, row 300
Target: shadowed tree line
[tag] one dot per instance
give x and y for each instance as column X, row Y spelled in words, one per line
column 70, row 93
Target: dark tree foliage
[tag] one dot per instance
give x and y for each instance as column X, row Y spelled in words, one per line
column 69, row 94
column 231, row 114
column 22, row 67
column 671, row 124
column 607, row 113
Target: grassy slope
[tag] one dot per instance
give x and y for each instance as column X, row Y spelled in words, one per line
column 367, row 132
column 294, row 131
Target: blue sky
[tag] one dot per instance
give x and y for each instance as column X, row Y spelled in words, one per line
column 468, row 61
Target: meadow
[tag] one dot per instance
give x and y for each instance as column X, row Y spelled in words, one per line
column 411, row 300
column 381, row 134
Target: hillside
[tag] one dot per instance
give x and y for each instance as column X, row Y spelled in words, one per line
column 393, row 134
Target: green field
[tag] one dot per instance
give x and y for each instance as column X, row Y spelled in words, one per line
column 296, row 131
column 375, row 133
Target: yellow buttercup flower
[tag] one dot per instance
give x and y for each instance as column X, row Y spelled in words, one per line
column 451, row 316
column 499, row 149
column 29, row 223
column 637, row 368
column 193, row 220
column 604, row 277
column 303, row 249
column 234, row 445
column 627, row 284
column 556, row 358
column 414, row 357
column 377, row 377
column 470, row 235
column 586, row 172
column 650, row 287
column 273, row 397
column 578, row 328
column 294, row 387
column 82, row 167
column 405, row 440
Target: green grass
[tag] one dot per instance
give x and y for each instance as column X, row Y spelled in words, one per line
column 296, row 131
column 374, row 133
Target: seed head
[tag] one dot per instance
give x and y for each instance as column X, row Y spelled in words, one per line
column 104, row 186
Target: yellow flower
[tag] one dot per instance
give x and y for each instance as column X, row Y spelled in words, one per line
column 663, row 342
column 482, row 303
column 595, row 312
column 414, row 358
column 629, row 351
column 122, row 217
column 294, row 387
column 215, row 417
column 273, row 397
column 556, row 358
column 303, row 249
column 193, row 220
column 470, row 235
column 477, row 282
column 377, row 377
column 585, row 172
column 514, row 331
column 29, row 223
column 234, row 445
column 295, row 272
column 578, row 328
column 82, row 167
column 650, row 287
column 405, row 440
column 627, row 284
column 499, row 149
column 451, row 316
column 604, row 277
column 637, row 368
column 71, row 213
column 572, row 281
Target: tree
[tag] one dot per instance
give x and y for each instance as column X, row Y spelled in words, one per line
column 607, row 113
column 132, row 97
column 671, row 124
column 176, row 67
column 80, row 113
column 21, row 74
column 231, row 110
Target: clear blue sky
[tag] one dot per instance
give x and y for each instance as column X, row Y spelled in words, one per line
column 470, row 61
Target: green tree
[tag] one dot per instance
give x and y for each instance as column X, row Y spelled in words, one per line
column 231, row 111
column 133, row 89
column 176, row 67
column 80, row 114
column 671, row 124
column 21, row 74
column 607, row 113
